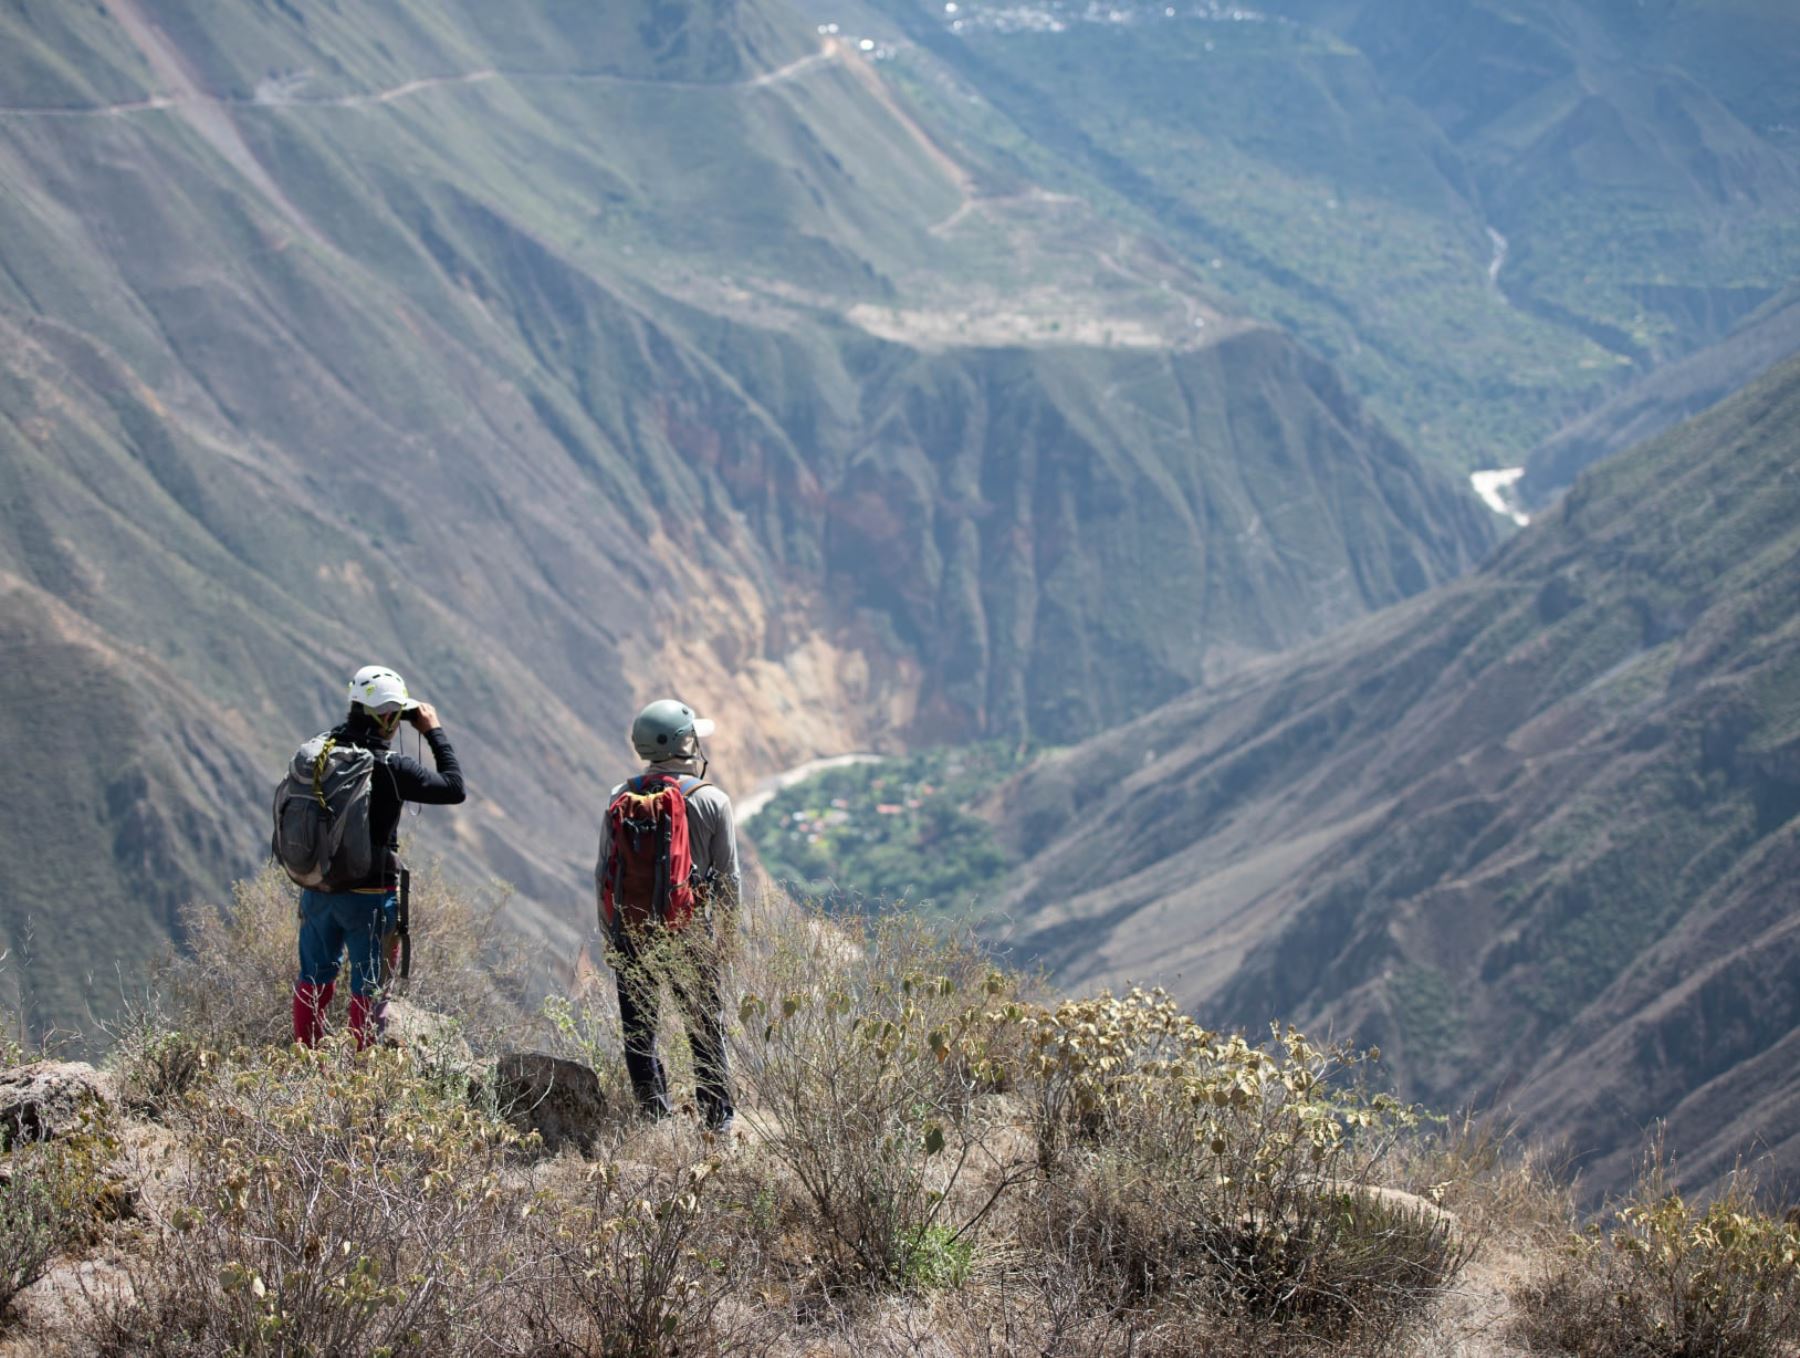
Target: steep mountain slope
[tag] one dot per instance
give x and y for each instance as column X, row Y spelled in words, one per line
column 1488, row 212
column 1665, row 398
column 1534, row 834
column 1632, row 155
column 563, row 361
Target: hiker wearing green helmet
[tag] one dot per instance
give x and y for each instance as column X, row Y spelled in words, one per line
column 667, row 886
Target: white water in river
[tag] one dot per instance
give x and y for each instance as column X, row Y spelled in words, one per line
column 1492, row 487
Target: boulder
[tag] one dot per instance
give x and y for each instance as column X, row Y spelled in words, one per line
column 50, row 1099
column 559, row 1100
column 1397, row 1199
column 435, row 1040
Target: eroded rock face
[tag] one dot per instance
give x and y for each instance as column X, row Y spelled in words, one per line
column 48, row 1099
column 559, row 1100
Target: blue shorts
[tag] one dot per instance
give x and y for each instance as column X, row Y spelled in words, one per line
column 345, row 921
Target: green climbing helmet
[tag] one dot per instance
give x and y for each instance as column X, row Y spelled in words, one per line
column 667, row 729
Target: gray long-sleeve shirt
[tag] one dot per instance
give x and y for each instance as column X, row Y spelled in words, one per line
column 712, row 832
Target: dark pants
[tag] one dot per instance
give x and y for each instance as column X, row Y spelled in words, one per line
column 687, row 960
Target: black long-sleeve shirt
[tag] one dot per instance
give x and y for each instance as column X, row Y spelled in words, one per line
column 398, row 779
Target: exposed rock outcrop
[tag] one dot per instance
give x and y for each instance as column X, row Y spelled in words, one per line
column 50, row 1099
column 559, row 1100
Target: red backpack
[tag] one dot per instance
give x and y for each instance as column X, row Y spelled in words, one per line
column 649, row 873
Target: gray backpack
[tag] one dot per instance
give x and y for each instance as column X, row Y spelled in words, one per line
column 322, row 815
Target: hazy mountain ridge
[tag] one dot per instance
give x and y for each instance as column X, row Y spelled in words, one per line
column 1490, row 828
column 1488, row 214
column 1592, row 125
column 426, row 377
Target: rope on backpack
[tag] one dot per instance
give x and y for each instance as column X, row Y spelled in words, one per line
column 319, row 771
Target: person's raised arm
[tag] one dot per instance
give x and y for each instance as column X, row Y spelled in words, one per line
column 442, row 786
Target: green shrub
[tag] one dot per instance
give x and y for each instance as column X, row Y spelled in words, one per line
column 34, row 1227
column 938, row 1256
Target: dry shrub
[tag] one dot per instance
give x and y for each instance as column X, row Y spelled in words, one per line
column 867, row 1055
column 322, row 1202
column 58, row 1196
column 155, row 1062
column 13, row 1036
column 1669, row 1280
column 1498, row 1186
column 232, row 983
column 1191, row 1173
column 930, row 1163
column 632, row 1264
column 587, row 1029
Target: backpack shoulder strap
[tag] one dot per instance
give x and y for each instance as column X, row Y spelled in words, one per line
column 686, row 784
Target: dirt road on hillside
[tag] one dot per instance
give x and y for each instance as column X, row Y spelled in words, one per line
column 186, row 93
column 205, row 116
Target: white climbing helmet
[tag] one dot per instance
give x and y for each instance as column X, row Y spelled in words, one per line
column 380, row 690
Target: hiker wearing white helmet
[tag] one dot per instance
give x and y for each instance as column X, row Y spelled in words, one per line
column 667, row 886
column 351, row 902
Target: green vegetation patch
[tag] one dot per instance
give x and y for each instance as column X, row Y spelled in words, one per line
column 1426, row 1009
column 902, row 830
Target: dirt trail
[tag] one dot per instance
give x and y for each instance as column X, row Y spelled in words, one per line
column 1473, row 1316
column 748, row 806
column 430, row 82
column 169, row 66
column 877, row 89
column 205, row 116
column 790, row 71
column 956, row 219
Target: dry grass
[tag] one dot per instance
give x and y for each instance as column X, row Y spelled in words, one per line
column 323, row 1202
column 927, row 1161
column 1498, row 1186
column 232, row 984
